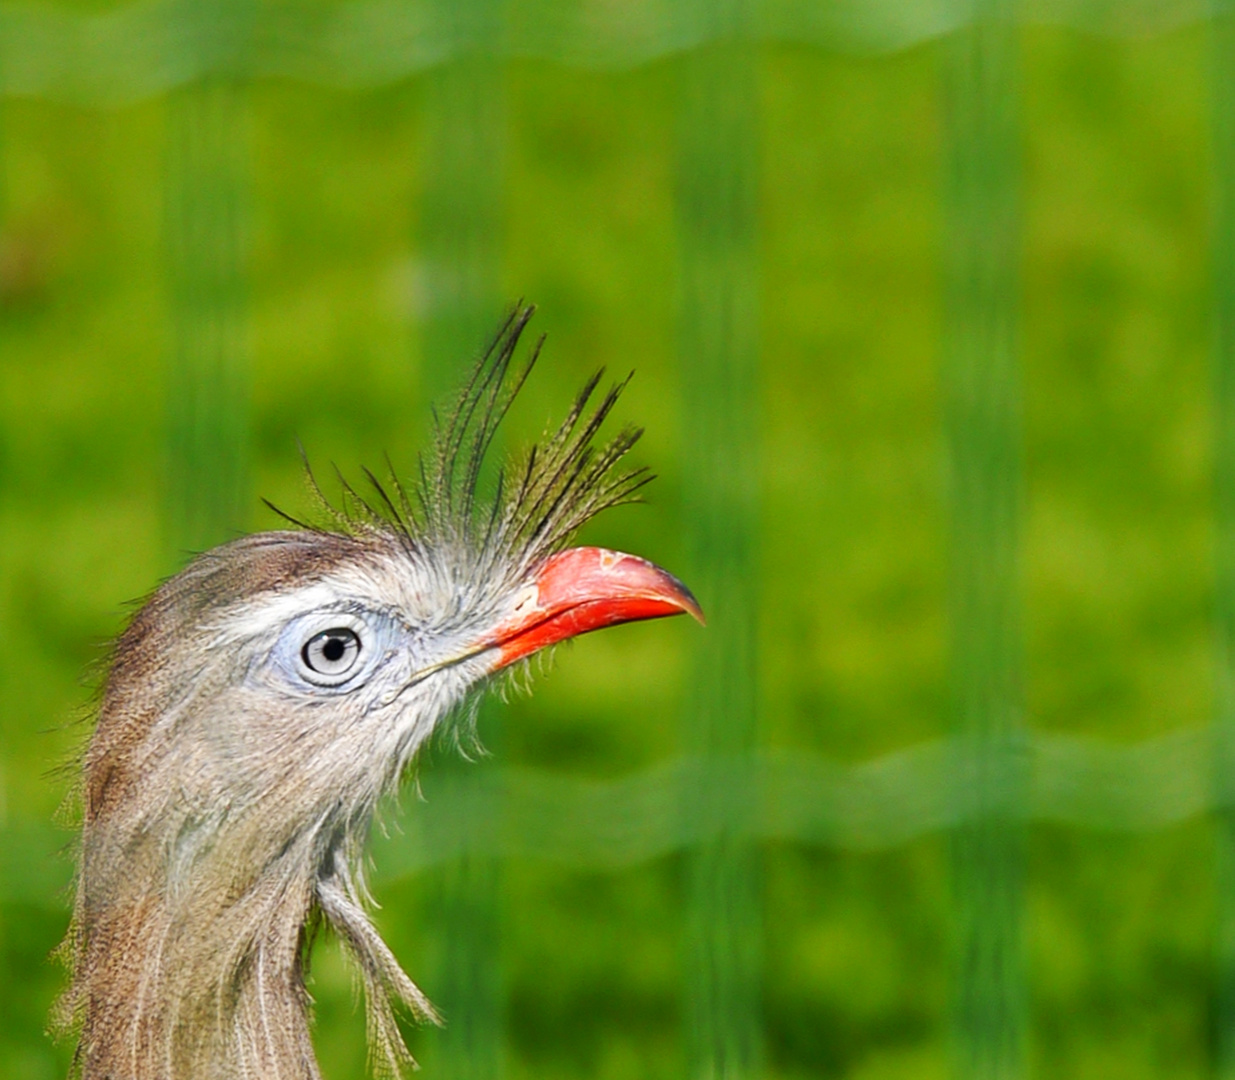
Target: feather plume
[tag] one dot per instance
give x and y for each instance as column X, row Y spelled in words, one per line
column 533, row 505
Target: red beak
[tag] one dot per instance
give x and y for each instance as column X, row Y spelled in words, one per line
column 586, row 588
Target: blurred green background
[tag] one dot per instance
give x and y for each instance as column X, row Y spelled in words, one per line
column 1115, row 179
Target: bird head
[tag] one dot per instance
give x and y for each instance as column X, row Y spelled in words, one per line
column 261, row 702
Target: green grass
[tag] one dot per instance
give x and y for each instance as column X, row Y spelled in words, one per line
column 853, row 633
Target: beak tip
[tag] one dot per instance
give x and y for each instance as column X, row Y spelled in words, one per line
column 679, row 595
column 691, row 607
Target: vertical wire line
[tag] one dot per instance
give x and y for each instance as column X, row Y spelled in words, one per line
column 717, row 221
column 207, row 253
column 1222, row 83
column 984, row 427
column 461, row 243
column 7, row 997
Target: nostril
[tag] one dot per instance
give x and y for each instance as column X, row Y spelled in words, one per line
column 528, row 598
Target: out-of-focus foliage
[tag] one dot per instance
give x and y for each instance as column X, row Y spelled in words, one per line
column 1115, row 331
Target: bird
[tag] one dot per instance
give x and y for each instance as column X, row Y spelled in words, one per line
column 261, row 703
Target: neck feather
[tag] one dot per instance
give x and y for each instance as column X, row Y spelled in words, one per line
column 191, row 966
column 199, row 978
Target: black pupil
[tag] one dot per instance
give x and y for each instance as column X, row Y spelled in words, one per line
column 333, row 648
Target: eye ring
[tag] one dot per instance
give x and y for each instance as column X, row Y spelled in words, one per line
column 330, row 657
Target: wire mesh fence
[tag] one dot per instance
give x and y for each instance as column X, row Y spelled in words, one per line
column 986, row 782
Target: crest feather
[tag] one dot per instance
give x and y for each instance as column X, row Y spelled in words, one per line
column 533, row 505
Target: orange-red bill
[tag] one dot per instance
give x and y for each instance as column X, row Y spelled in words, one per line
column 584, row 589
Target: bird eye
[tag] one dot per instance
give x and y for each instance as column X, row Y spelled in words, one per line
column 332, row 653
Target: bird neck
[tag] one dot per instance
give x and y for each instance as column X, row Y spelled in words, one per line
column 210, row 853
column 192, row 972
